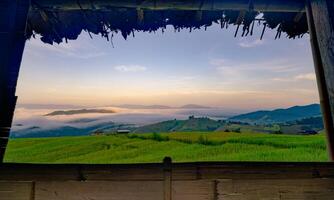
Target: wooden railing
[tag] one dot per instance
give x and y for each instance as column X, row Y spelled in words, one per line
column 166, row 181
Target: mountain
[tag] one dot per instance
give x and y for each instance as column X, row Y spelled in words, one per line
column 279, row 115
column 191, row 124
column 194, row 106
column 82, row 111
column 68, row 130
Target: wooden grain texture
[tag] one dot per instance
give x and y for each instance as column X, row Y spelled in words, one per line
column 154, row 172
column 15, row 190
column 264, row 170
column 144, row 172
column 189, row 181
column 323, row 17
column 99, row 190
column 321, row 82
column 292, row 189
column 194, row 190
column 167, row 171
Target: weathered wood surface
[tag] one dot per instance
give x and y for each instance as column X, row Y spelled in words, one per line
column 154, row 172
column 16, row 190
column 276, row 189
column 259, row 5
column 167, row 170
column 322, row 14
column 100, row 190
column 321, row 82
column 189, row 181
column 13, row 17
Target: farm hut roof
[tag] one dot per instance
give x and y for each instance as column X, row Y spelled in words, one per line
column 61, row 20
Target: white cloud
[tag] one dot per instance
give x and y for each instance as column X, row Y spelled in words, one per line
column 307, row 77
column 84, row 48
column 300, row 77
column 130, row 68
column 250, row 44
column 259, row 68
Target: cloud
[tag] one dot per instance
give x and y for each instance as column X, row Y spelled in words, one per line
column 130, row 68
column 300, row 77
column 259, row 68
column 84, row 48
column 307, row 77
column 250, row 44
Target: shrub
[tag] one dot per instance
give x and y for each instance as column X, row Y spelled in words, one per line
column 132, row 136
column 237, row 130
column 159, row 138
column 203, row 140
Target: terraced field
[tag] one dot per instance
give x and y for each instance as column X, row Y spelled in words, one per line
column 181, row 146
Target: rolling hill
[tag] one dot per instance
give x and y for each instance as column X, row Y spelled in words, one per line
column 279, row 115
column 192, row 124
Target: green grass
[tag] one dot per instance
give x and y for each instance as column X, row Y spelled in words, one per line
column 181, row 146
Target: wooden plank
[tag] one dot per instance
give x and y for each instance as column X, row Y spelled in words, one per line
column 262, row 170
column 275, row 189
column 185, row 172
column 258, row 5
column 154, row 172
column 323, row 16
column 121, row 172
column 194, row 190
column 101, row 190
column 16, row 190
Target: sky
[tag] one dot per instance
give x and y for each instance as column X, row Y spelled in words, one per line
column 209, row 68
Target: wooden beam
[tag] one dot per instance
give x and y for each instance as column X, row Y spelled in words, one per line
column 321, row 25
column 258, row 5
column 321, row 81
column 13, row 17
column 153, row 172
column 167, row 162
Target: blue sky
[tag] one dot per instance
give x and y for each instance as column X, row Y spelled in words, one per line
column 202, row 67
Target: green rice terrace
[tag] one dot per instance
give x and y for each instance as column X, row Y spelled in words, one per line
column 181, row 146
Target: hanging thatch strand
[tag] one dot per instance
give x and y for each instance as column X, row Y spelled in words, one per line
column 56, row 26
column 236, row 5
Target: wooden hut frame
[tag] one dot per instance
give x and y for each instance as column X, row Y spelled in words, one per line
column 222, row 180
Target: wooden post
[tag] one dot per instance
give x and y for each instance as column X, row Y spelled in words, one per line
column 167, row 178
column 320, row 14
column 13, row 17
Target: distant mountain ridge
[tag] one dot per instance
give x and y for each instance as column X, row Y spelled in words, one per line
column 81, row 111
column 279, row 115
